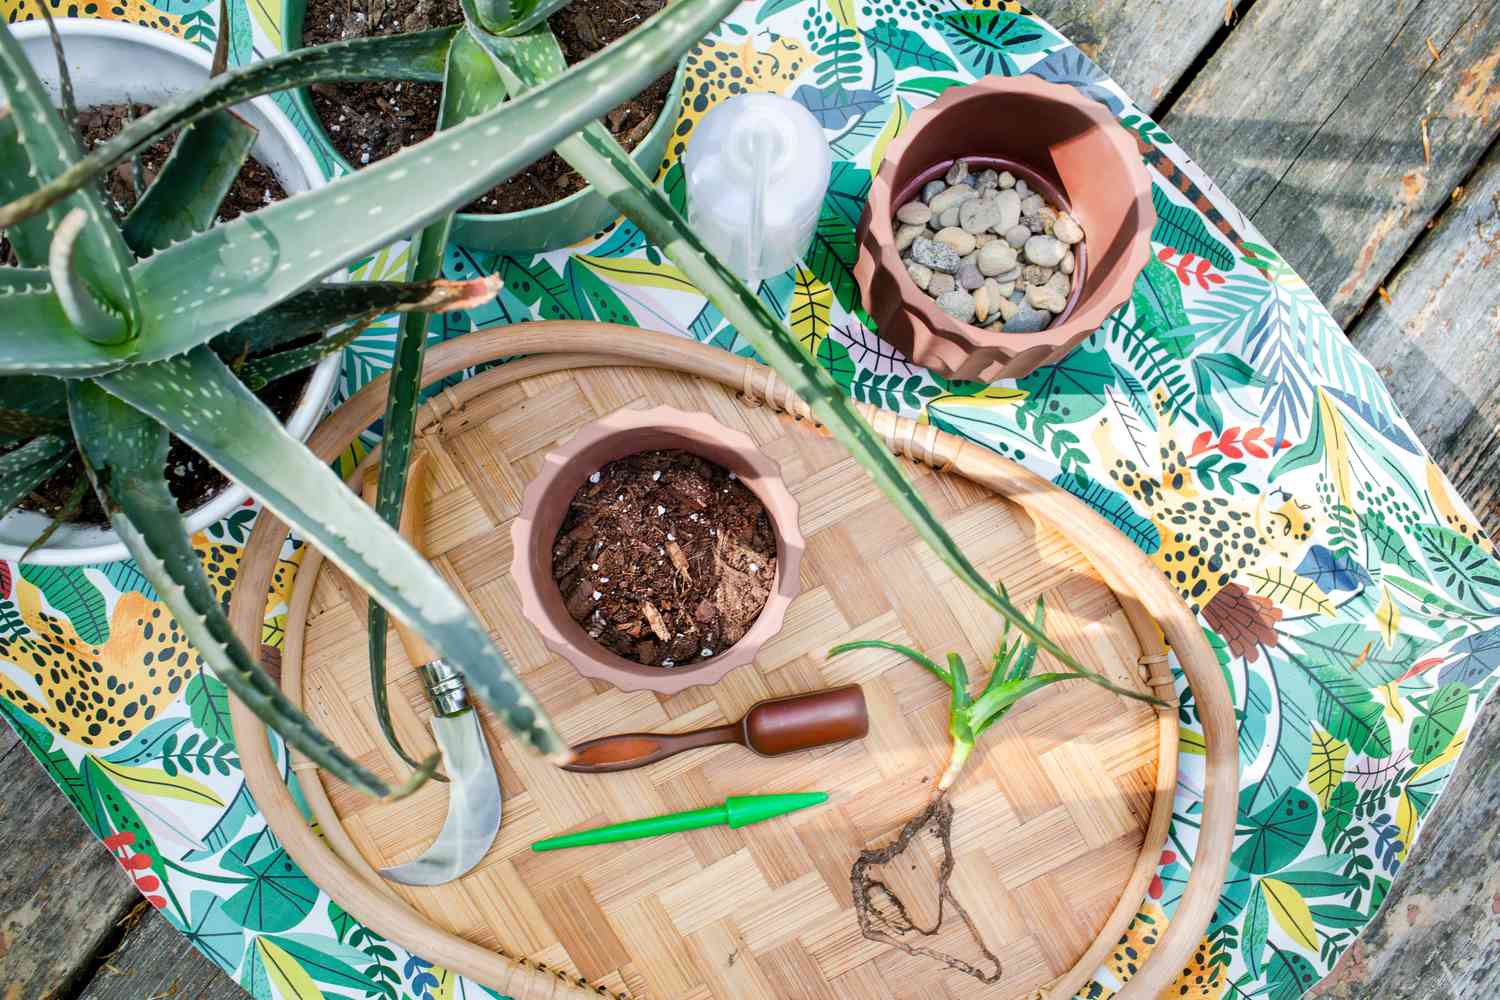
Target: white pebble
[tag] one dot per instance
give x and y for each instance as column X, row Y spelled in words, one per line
column 594, row 478
column 660, row 510
column 655, row 476
column 706, row 652
column 597, row 595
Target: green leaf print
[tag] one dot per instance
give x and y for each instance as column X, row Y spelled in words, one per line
column 1215, row 375
column 277, row 895
column 929, row 86
column 1466, row 571
column 1181, row 228
column 1276, row 834
column 39, row 739
column 834, row 357
column 1442, row 713
column 1387, row 546
column 1067, row 392
column 214, row 932
column 1254, row 931
column 1288, row 974
column 987, row 41
column 1159, row 308
column 1340, row 917
column 71, row 593
column 537, row 283
column 1348, row 710
column 905, row 47
column 591, row 292
column 1319, row 877
column 325, row 960
column 208, row 702
column 1340, row 812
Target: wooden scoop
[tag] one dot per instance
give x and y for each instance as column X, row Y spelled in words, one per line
column 771, row 727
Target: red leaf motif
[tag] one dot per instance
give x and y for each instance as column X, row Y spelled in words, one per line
column 115, row 841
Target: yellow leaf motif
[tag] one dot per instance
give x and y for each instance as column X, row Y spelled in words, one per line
column 286, row 973
column 1406, row 822
column 1326, row 768
column 1389, row 695
column 1452, row 511
column 1389, row 617
column 635, row 271
column 159, row 784
column 1291, row 912
column 893, row 127
column 844, row 11
column 1290, row 589
column 1336, row 448
column 811, row 302
column 268, row 16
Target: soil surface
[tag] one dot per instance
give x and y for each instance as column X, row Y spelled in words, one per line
column 190, row 477
column 665, row 558
column 370, row 121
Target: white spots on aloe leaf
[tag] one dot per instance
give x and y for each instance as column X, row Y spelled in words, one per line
column 304, row 215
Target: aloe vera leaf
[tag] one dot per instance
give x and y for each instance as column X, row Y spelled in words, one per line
column 602, row 162
column 960, row 674
column 27, row 467
column 321, row 307
column 259, row 260
column 1013, row 661
column 415, row 56
column 258, row 373
column 23, row 279
column 470, row 87
column 40, row 147
column 65, row 264
column 185, row 197
column 911, row 654
column 197, row 397
column 34, row 338
column 991, row 706
column 124, row 452
column 64, row 78
column 32, row 405
column 492, row 15
column 533, row 18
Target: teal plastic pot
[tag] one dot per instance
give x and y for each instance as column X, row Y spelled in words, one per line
column 550, row 227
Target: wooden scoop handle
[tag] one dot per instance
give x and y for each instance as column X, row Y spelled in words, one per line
column 413, row 529
column 776, row 726
column 630, row 750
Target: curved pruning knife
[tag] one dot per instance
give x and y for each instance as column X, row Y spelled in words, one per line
column 473, row 786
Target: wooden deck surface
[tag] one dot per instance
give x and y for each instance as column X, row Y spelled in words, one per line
column 1309, row 113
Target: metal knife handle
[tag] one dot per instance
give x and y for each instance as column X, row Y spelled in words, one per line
column 445, row 687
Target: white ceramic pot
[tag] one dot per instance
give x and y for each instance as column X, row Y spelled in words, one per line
column 111, row 62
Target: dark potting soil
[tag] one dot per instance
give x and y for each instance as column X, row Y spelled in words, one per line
column 190, row 477
column 370, row 121
column 665, row 558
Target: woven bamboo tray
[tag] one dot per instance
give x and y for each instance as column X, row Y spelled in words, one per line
column 1060, row 817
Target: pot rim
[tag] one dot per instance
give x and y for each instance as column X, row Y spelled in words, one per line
column 74, row 545
column 665, row 123
column 545, row 495
column 1085, row 316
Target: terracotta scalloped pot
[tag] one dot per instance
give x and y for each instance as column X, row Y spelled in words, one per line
column 627, row 432
column 1068, row 148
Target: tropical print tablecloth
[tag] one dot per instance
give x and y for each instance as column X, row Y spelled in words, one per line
column 1355, row 608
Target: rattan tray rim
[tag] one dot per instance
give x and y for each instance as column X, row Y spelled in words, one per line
column 1152, row 609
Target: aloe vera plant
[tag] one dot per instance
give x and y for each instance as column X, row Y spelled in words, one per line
column 118, row 334
column 507, row 99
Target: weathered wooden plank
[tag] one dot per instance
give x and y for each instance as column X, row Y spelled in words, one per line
column 155, row 960
column 1309, row 117
column 1146, row 45
column 1437, row 342
column 1435, row 935
column 61, row 894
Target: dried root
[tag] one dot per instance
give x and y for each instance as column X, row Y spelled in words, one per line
column 883, row 917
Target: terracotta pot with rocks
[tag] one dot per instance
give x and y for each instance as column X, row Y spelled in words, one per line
column 657, row 549
column 1007, row 221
